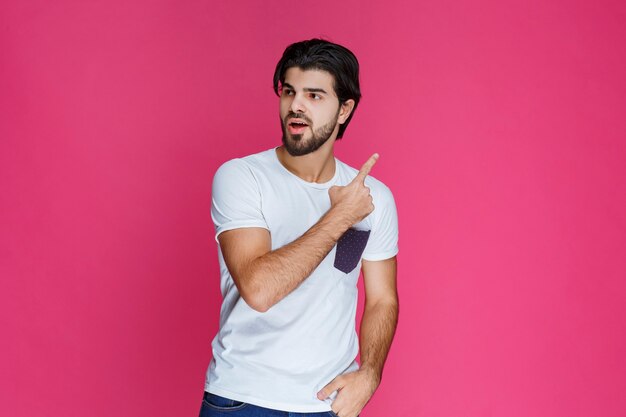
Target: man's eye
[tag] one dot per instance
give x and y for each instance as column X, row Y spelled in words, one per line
column 287, row 92
column 315, row 96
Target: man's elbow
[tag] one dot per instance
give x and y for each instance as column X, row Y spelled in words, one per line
column 254, row 297
column 386, row 303
column 257, row 304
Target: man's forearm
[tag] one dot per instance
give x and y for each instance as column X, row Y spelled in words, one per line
column 277, row 273
column 354, row 389
column 378, row 327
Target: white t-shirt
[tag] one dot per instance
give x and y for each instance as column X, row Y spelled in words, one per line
column 280, row 359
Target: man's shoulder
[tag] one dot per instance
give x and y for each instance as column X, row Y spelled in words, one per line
column 251, row 159
column 244, row 165
column 262, row 157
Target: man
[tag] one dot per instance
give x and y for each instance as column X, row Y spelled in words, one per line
column 294, row 227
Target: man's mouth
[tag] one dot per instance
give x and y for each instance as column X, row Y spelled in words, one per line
column 297, row 126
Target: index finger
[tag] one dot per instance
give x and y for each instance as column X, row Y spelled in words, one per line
column 366, row 168
column 328, row 390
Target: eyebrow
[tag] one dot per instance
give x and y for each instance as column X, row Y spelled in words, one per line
column 308, row 90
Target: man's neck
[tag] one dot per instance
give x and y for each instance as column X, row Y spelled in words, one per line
column 318, row 166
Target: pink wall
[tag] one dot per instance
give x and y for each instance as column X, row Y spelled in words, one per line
column 501, row 131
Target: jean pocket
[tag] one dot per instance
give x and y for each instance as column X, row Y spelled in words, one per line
column 217, row 402
column 350, row 247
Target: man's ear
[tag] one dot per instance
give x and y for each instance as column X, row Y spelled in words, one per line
column 345, row 110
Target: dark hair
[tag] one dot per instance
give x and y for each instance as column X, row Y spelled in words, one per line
column 320, row 54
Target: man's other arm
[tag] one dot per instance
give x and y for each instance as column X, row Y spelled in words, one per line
column 380, row 315
column 378, row 327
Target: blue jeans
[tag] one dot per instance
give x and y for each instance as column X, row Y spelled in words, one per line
column 216, row 406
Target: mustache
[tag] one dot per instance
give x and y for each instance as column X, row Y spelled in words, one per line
column 297, row 116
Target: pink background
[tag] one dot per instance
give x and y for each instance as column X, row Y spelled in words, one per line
column 501, row 128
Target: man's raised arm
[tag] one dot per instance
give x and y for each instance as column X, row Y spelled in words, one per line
column 264, row 277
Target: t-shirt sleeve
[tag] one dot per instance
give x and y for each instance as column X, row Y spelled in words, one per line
column 383, row 240
column 235, row 198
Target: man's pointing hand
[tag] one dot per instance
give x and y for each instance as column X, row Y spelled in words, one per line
column 353, row 202
column 365, row 169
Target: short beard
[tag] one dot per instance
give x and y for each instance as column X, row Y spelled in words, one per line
column 298, row 147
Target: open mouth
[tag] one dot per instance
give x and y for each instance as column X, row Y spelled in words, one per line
column 297, row 127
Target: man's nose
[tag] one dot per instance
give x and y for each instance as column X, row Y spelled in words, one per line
column 297, row 104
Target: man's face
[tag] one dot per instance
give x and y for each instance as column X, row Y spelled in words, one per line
column 309, row 110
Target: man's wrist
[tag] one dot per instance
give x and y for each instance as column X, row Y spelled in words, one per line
column 372, row 372
column 337, row 222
